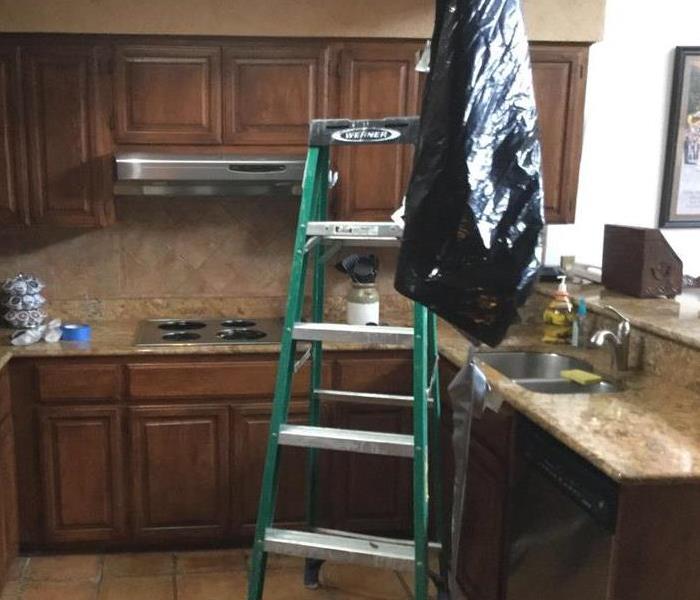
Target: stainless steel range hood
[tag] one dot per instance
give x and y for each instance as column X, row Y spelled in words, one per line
column 140, row 174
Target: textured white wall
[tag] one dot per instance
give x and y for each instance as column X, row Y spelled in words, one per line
column 629, row 89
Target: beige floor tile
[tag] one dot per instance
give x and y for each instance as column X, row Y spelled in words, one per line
column 145, row 564
column 17, row 568
column 59, row 590
column 212, row 586
column 407, row 578
column 10, row 591
column 64, row 567
column 210, row 561
column 279, row 561
column 287, row 584
column 363, row 582
column 137, row 588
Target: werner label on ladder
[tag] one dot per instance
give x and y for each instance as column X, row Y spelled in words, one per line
column 314, row 235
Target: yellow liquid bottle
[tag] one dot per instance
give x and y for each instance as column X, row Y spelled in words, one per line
column 559, row 316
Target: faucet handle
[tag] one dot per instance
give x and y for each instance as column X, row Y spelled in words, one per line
column 623, row 327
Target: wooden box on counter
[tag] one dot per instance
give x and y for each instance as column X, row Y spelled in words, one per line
column 640, row 262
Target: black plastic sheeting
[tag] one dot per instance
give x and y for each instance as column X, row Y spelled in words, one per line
column 474, row 207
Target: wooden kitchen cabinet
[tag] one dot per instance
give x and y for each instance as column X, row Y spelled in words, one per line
column 559, row 76
column 9, row 522
column 482, row 554
column 82, row 474
column 13, row 199
column 483, row 531
column 69, row 154
column 376, row 80
column 167, row 94
column 372, row 493
column 272, row 90
column 180, row 472
column 250, row 432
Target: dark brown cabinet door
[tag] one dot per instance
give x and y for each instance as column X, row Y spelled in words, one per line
column 180, row 472
column 9, row 544
column 69, row 150
column 481, row 554
column 272, row 91
column 82, row 474
column 251, row 427
column 376, row 81
column 372, row 493
column 168, row 94
column 559, row 74
column 13, row 201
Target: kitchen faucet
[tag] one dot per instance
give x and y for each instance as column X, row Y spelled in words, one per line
column 619, row 341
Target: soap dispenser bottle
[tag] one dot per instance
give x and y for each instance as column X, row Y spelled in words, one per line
column 559, row 316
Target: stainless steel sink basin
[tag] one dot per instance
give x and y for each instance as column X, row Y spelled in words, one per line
column 532, row 365
column 541, row 372
column 563, row 386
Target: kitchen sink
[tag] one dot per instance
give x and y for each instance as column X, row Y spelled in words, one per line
column 541, row 372
column 532, row 365
column 564, row 386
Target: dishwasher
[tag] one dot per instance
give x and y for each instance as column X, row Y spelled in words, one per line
column 562, row 522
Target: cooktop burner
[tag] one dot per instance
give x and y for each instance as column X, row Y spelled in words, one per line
column 241, row 334
column 238, row 323
column 181, row 336
column 208, row 331
column 181, row 325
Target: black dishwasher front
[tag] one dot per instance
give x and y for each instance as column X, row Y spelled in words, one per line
column 562, row 522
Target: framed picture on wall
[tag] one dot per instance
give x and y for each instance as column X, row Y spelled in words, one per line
column 680, row 201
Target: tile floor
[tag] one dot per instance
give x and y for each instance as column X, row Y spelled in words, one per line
column 203, row 575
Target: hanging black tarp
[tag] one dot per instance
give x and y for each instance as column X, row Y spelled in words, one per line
column 474, row 207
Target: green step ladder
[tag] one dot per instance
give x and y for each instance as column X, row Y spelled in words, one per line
column 319, row 239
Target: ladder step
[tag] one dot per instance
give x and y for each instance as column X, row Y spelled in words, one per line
column 349, row 233
column 372, row 551
column 366, row 398
column 358, row 334
column 348, row 440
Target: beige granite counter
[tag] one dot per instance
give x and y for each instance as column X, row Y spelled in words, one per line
column 5, row 356
column 648, row 432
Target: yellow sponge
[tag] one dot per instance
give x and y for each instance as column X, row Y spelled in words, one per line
column 580, row 376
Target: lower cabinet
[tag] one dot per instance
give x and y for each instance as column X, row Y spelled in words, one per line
column 250, row 430
column 372, row 493
column 180, row 464
column 8, row 498
column 82, row 474
column 136, row 468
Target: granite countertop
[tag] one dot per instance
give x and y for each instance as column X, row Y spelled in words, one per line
column 5, row 356
column 677, row 319
column 650, row 431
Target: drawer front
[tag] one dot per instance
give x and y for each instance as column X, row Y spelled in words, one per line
column 211, row 380
column 58, row 383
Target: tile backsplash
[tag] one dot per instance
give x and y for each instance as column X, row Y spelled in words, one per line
column 171, row 248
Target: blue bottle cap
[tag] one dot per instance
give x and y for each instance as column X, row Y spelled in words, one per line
column 582, row 308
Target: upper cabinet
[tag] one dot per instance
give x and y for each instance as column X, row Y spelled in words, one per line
column 67, row 100
column 273, row 90
column 377, row 80
column 559, row 74
column 13, row 201
column 69, row 153
column 168, row 94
